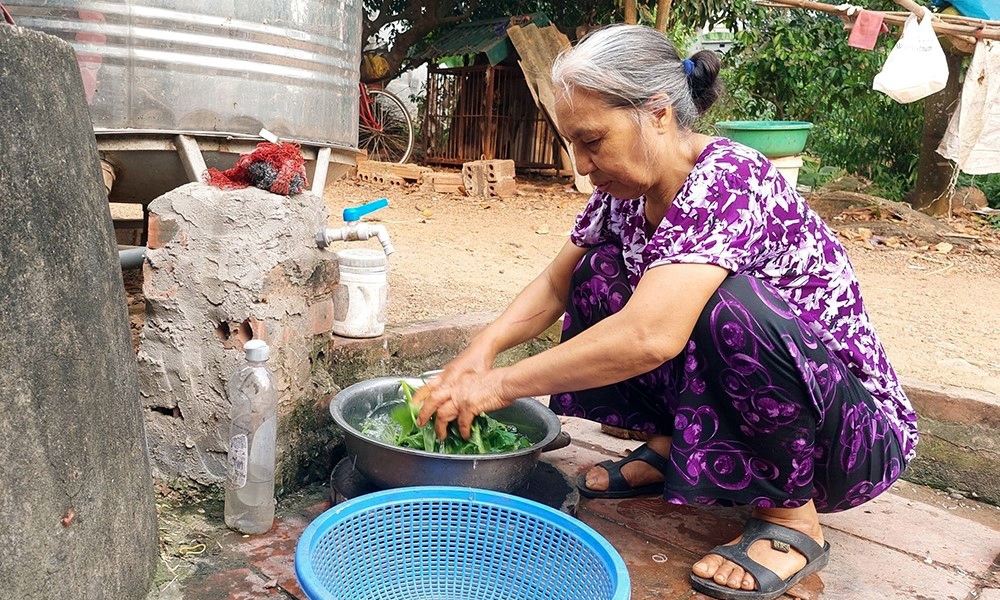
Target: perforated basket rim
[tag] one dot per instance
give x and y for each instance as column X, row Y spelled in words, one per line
column 305, row 574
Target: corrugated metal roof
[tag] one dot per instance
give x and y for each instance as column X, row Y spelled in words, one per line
column 488, row 37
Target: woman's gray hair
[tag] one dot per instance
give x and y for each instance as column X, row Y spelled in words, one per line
column 636, row 67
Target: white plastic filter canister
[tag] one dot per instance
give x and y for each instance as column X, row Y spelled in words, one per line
column 789, row 167
column 359, row 304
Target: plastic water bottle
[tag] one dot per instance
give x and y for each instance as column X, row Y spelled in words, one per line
column 252, row 439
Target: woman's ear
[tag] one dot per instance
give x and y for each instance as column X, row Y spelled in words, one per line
column 662, row 112
column 663, row 118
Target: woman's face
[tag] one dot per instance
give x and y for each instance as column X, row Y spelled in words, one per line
column 609, row 145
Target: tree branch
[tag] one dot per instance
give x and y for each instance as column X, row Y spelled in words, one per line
column 420, row 22
column 943, row 24
column 371, row 27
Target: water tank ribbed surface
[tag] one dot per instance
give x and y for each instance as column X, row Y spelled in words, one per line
column 214, row 66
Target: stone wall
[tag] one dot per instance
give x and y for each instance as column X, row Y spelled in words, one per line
column 223, row 267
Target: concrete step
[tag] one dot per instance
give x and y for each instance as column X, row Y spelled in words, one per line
column 912, row 542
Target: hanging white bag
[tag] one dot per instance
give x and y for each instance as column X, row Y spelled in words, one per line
column 916, row 66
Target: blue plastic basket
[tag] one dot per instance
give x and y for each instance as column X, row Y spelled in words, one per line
column 455, row 543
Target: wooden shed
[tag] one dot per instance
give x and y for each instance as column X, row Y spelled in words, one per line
column 479, row 104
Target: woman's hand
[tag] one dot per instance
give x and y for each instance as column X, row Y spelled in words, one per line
column 469, row 385
column 474, row 359
column 459, row 396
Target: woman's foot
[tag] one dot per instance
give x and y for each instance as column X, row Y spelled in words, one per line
column 784, row 564
column 637, row 473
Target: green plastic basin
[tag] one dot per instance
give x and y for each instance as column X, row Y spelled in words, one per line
column 773, row 139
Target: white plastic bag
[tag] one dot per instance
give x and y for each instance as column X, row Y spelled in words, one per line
column 916, row 66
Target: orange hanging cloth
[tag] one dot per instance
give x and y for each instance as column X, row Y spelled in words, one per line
column 277, row 168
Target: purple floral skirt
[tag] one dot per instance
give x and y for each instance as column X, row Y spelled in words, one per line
column 759, row 411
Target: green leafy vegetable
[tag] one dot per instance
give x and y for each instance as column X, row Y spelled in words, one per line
column 489, row 436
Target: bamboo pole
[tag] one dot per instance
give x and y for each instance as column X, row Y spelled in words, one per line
column 962, row 27
column 918, row 10
column 911, row 6
column 965, row 43
column 663, row 14
column 631, row 11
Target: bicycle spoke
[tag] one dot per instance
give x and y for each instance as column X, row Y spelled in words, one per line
column 385, row 131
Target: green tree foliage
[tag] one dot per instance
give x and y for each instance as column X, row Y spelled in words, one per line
column 397, row 27
column 406, row 27
column 787, row 64
column 567, row 15
column 796, row 65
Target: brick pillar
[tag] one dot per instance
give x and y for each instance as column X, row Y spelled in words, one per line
column 224, row 267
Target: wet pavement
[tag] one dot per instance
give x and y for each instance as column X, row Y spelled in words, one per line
column 911, row 543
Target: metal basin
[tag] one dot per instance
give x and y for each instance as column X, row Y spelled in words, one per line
column 391, row 466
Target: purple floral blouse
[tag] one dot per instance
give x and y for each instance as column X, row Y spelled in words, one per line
column 735, row 210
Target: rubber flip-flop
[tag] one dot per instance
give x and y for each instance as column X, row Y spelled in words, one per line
column 618, row 487
column 769, row 585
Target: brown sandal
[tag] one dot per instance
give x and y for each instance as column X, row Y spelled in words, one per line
column 769, row 585
column 618, row 487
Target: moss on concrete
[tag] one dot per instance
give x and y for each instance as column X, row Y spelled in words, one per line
column 310, row 442
column 958, row 456
column 546, row 340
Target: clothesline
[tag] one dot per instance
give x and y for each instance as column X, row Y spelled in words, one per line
column 967, row 30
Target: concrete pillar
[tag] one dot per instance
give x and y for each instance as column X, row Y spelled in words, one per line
column 77, row 517
column 223, row 267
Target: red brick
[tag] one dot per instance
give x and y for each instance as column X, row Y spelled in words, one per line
column 321, row 317
column 161, row 231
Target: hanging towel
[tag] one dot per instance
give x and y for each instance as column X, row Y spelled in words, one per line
column 973, row 136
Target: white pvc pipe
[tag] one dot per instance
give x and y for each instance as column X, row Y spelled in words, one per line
column 356, row 230
column 132, row 258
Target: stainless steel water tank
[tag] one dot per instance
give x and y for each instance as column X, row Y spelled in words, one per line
column 215, row 66
column 216, row 71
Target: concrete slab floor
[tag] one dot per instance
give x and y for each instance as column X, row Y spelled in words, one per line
column 912, row 542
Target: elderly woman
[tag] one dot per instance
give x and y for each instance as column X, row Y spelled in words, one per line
column 706, row 305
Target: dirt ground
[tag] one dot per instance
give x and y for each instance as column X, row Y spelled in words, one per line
column 931, row 285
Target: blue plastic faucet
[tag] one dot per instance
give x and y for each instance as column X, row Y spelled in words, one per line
column 355, row 229
column 355, row 213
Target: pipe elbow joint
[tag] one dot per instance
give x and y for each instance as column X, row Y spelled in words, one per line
column 383, row 237
column 364, row 231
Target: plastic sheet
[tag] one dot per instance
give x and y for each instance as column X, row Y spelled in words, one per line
column 972, row 139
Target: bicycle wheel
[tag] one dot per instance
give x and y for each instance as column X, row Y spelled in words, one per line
column 388, row 135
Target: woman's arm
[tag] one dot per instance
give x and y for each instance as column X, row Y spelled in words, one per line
column 536, row 307
column 652, row 328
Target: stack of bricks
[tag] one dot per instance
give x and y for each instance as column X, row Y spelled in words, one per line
column 390, row 173
column 489, row 178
